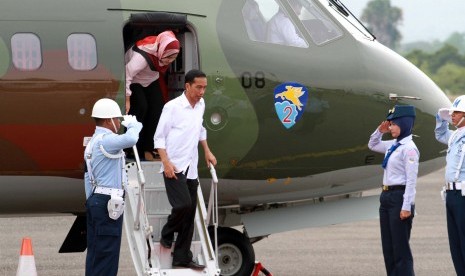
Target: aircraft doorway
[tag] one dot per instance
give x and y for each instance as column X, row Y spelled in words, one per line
column 152, row 87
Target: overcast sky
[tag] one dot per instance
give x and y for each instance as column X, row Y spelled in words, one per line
column 423, row 19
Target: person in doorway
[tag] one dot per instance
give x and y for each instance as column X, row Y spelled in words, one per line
column 104, row 179
column 178, row 134
column 397, row 199
column 146, row 90
column 281, row 30
column 455, row 177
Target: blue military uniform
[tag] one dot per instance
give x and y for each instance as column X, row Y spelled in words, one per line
column 399, row 182
column 455, row 183
column 104, row 177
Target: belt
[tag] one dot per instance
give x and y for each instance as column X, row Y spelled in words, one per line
column 393, row 187
column 108, row 191
column 454, row 185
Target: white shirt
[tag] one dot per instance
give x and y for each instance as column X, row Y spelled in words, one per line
column 138, row 71
column 281, row 30
column 402, row 167
column 179, row 131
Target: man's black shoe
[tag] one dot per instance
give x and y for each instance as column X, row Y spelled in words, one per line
column 191, row 264
column 165, row 244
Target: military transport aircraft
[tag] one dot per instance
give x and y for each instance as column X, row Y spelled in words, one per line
column 289, row 124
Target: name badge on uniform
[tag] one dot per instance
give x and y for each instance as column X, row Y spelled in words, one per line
column 86, row 141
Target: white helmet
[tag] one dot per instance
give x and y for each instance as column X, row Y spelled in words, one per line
column 106, row 109
column 458, row 104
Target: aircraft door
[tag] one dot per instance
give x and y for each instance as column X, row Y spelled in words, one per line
column 141, row 25
column 147, row 90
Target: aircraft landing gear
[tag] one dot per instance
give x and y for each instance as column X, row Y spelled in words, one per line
column 236, row 256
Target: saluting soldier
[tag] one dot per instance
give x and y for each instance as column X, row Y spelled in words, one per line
column 455, row 177
column 397, row 199
column 104, row 177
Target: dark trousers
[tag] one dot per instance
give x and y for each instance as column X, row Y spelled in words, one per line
column 182, row 195
column 395, row 234
column 103, row 237
column 146, row 104
column 455, row 208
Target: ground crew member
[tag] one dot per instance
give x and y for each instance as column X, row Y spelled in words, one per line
column 455, row 177
column 178, row 134
column 104, row 176
column 397, row 200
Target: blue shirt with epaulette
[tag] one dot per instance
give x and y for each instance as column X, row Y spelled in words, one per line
column 456, row 145
column 108, row 172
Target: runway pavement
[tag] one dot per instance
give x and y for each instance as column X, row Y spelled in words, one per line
column 345, row 249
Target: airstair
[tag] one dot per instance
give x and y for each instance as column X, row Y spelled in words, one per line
column 147, row 210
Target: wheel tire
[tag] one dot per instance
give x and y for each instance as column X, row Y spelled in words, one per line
column 236, row 256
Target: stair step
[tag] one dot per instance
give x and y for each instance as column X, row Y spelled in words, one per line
column 156, row 211
column 181, row 272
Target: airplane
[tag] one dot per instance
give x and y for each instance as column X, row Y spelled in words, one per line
column 288, row 124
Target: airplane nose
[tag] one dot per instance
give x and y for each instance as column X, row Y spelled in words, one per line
column 394, row 75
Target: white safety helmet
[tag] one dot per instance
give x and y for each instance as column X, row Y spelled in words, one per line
column 458, row 104
column 106, row 109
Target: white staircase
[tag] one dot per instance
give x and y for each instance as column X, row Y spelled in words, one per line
column 147, row 209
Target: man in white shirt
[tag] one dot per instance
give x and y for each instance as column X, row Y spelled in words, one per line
column 178, row 134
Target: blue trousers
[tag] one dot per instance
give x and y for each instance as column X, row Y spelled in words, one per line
column 395, row 234
column 455, row 208
column 103, row 237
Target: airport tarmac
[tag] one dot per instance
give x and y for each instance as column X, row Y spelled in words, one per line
column 345, row 249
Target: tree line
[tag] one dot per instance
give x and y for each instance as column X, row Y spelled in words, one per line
column 446, row 67
column 443, row 62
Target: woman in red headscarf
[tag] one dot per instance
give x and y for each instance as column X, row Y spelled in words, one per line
column 146, row 90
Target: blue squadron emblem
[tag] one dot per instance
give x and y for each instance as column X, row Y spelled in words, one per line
column 290, row 99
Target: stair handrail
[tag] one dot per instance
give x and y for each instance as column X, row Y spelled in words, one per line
column 141, row 179
column 213, row 208
column 148, row 229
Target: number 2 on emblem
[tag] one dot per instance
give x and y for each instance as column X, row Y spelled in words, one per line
column 288, row 111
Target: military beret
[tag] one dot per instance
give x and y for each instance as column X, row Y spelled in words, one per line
column 401, row 111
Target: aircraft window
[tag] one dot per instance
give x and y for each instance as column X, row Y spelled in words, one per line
column 26, row 51
column 317, row 24
column 82, row 52
column 255, row 23
column 268, row 21
column 349, row 21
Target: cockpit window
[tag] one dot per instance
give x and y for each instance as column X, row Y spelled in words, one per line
column 268, row 21
column 317, row 24
column 26, row 51
column 352, row 24
column 273, row 22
